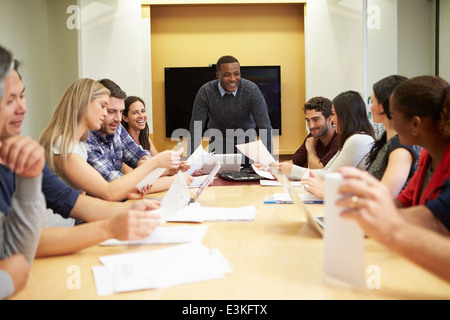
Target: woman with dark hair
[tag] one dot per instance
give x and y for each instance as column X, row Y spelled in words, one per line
column 389, row 161
column 420, row 109
column 420, row 112
column 356, row 138
column 134, row 120
column 356, row 135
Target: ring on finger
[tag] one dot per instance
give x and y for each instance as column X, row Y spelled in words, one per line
column 354, row 202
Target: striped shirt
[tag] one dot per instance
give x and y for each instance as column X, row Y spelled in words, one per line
column 107, row 154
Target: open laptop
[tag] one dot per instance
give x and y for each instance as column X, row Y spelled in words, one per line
column 209, row 179
column 228, row 162
column 317, row 222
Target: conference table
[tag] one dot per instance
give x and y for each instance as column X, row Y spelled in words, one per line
column 277, row 256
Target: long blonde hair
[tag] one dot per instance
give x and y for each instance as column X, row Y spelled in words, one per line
column 72, row 108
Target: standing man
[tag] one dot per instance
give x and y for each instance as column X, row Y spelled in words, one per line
column 233, row 106
column 322, row 142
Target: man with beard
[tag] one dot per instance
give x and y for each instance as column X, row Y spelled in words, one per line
column 111, row 147
column 322, row 142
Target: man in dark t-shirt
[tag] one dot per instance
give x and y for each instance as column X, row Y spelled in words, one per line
column 323, row 152
column 322, row 142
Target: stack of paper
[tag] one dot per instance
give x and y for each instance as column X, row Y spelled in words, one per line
column 196, row 213
column 159, row 268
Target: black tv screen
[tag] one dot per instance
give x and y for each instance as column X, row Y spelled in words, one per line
column 182, row 84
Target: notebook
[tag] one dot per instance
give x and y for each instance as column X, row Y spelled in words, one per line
column 317, row 222
column 206, row 182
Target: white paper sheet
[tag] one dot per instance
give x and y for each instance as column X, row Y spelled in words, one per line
column 176, row 198
column 257, row 152
column 197, row 160
column 104, row 280
column 198, row 180
column 150, row 178
column 262, row 173
column 159, row 268
column 343, row 240
column 165, row 235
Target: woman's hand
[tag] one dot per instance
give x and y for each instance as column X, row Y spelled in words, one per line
column 285, row 167
column 314, row 184
column 368, row 201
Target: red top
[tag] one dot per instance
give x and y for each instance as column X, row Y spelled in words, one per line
column 411, row 195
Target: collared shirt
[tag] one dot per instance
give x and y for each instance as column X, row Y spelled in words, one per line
column 247, row 111
column 107, row 154
column 223, row 92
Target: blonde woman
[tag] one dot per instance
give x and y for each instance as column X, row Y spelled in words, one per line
column 83, row 108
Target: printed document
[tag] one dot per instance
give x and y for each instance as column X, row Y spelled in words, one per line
column 198, row 159
column 150, row 178
column 257, row 152
column 176, row 198
column 162, row 268
column 262, row 173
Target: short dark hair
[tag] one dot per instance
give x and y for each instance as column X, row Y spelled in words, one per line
column 17, row 65
column 115, row 90
column 225, row 59
column 5, row 67
column 6, row 60
column 319, row 104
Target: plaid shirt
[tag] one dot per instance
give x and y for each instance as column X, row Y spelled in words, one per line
column 106, row 154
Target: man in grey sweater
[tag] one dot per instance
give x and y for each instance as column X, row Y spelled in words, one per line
column 20, row 230
column 232, row 108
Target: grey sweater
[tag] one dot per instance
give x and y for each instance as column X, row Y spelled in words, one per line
column 247, row 110
column 20, row 230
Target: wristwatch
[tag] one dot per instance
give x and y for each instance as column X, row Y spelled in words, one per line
column 145, row 158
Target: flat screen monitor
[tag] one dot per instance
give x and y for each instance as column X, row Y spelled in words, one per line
column 182, row 84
